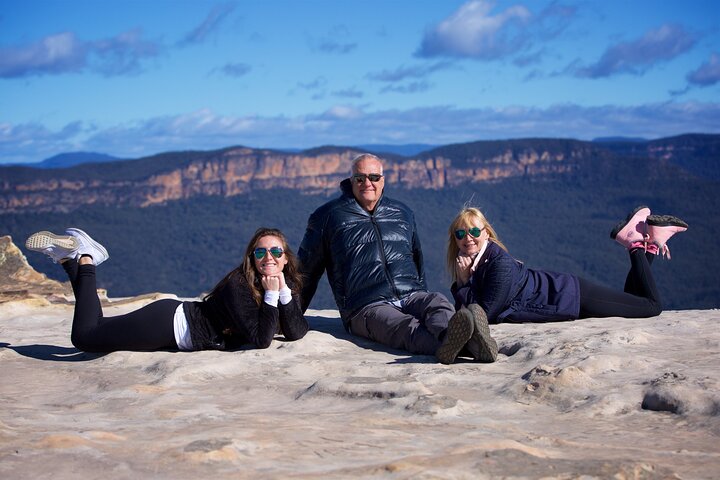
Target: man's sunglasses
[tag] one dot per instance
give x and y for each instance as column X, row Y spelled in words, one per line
column 361, row 177
column 474, row 231
column 260, row 252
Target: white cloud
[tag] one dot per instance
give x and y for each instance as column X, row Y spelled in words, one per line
column 637, row 56
column 474, row 32
column 65, row 53
column 335, row 42
column 347, row 125
column 58, row 53
column 411, row 87
column 33, row 142
column 707, row 74
column 341, row 112
column 403, row 73
column 234, row 69
column 351, row 92
column 211, row 23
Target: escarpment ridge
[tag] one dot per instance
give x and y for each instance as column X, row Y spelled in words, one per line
column 239, row 170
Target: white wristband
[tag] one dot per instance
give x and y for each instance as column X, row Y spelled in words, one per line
column 285, row 295
column 272, row 297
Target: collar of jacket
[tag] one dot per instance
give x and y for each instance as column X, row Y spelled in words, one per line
column 346, row 189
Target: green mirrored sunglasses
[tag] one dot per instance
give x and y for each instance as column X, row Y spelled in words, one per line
column 474, row 231
column 260, row 252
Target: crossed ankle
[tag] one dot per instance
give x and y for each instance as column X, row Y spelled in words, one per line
column 86, row 260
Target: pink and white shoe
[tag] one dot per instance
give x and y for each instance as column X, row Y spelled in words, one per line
column 632, row 232
column 660, row 228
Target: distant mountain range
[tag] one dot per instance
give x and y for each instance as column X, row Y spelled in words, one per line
column 177, row 221
column 240, row 170
column 70, row 159
column 407, row 150
column 619, row 139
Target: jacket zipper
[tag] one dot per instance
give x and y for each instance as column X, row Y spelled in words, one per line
column 390, row 280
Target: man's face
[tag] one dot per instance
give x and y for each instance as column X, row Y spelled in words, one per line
column 367, row 193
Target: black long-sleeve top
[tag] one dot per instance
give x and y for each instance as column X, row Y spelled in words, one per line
column 232, row 317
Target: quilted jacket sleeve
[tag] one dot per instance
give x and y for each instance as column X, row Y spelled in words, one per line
column 311, row 255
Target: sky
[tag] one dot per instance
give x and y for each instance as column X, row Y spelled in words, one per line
column 134, row 78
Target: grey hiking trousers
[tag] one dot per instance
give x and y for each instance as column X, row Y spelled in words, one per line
column 416, row 324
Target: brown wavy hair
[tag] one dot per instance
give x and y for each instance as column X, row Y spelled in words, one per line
column 467, row 216
column 247, row 267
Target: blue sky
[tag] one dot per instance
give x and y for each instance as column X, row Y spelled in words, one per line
column 133, row 78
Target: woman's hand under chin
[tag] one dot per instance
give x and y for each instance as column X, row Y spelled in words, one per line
column 462, row 268
column 271, row 282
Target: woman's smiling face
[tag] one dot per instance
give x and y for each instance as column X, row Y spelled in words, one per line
column 269, row 265
column 469, row 244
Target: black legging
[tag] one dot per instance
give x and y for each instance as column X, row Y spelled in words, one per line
column 639, row 300
column 149, row 328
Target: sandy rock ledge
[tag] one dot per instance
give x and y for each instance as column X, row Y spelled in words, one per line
column 597, row 398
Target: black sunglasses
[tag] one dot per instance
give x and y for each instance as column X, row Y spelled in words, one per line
column 474, row 231
column 260, row 252
column 361, row 177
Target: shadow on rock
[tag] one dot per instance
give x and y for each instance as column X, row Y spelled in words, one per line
column 52, row 353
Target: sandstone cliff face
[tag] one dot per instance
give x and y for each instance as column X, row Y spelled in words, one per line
column 19, row 281
column 241, row 170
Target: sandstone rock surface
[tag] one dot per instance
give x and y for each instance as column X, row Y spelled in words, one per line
column 591, row 399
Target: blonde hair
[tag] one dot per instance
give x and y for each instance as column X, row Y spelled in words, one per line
column 467, row 216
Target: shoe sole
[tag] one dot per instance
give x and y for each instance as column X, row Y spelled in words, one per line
column 665, row 221
column 481, row 335
column 458, row 333
column 624, row 223
column 40, row 241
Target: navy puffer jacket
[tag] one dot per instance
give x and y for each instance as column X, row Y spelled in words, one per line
column 508, row 291
column 368, row 257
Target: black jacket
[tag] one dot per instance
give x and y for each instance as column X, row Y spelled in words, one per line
column 368, row 257
column 232, row 318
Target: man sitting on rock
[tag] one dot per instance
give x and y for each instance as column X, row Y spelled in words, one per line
column 369, row 246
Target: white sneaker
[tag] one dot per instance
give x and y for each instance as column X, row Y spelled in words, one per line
column 88, row 246
column 57, row 247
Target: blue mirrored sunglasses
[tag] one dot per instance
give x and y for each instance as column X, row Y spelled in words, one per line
column 474, row 231
column 260, row 252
